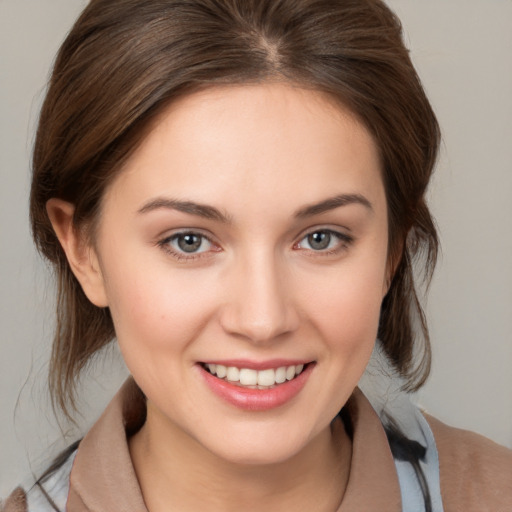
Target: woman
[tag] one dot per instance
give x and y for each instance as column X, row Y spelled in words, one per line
column 235, row 190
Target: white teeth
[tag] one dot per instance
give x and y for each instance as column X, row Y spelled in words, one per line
column 233, row 374
column 252, row 378
column 248, row 377
column 221, row 371
column 281, row 375
column 266, row 377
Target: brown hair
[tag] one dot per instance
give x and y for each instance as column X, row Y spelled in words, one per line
column 125, row 60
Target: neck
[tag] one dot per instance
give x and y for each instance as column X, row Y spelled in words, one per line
column 177, row 470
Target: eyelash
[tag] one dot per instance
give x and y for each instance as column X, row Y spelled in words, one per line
column 165, row 244
column 344, row 241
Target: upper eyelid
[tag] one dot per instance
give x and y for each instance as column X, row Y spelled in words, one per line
column 170, row 234
column 336, row 231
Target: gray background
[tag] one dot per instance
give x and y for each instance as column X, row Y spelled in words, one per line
column 462, row 49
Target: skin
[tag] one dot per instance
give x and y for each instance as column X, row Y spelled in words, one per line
column 258, row 290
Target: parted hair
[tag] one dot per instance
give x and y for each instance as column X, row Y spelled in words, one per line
column 124, row 61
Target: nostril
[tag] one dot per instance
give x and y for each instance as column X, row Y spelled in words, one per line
column 259, row 329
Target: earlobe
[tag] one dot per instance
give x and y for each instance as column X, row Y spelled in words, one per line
column 81, row 256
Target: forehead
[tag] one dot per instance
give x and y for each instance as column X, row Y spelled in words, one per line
column 247, row 144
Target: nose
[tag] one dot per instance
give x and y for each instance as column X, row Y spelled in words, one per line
column 259, row 306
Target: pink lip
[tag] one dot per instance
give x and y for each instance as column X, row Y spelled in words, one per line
column 257, row 399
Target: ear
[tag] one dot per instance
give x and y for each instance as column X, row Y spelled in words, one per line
column 81, row 256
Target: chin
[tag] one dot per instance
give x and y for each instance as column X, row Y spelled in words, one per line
column 259, row 448
column 257, row 456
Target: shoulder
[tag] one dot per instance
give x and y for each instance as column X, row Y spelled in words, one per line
column 48, row 494
column 475, row 472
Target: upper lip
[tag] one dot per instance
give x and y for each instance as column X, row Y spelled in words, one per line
column 258, row 365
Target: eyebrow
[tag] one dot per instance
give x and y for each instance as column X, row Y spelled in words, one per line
column 333, row 203
column 190, row 207
column 212, row 213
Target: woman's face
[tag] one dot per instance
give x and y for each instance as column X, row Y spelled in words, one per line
column 245, row 242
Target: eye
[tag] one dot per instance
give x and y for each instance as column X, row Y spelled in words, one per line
column 324, row 240
column 187, row 244
column 191, row 242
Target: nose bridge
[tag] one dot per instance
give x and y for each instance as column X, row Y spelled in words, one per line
column 260, row 306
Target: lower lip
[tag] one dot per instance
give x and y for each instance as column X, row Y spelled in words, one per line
column 257, row 399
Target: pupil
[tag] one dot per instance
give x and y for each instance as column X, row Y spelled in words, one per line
column 319, row 240
column 189, row 243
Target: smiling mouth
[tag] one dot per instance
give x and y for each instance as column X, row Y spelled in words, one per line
column 255, row 379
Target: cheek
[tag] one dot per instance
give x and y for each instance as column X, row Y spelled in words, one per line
column 345, row 309
column 155, row 311
column 349, row 325
column 350, row 297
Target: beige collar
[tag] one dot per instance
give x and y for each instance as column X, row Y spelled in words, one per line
column 103, row 478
